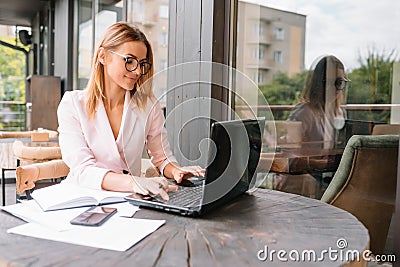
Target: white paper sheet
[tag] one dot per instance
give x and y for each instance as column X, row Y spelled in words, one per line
column 58, row 220
column 117, row 233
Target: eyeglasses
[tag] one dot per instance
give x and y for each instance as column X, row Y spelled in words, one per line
column 131, row 64
column 341, row 83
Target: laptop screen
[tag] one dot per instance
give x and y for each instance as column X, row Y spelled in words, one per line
column 233, row 157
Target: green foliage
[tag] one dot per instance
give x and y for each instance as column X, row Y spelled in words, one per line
column 283, row 91
column 371, row 83
column 12, row 73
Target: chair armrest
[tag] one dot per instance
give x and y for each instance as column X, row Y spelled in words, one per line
column 36, row 153
column 27, row 175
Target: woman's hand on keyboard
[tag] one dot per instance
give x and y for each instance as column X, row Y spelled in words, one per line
column 152, row 186
column 186, row 172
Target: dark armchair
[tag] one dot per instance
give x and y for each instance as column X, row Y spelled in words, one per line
column 365, row 184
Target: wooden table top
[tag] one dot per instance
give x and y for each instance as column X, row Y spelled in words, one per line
column 297, row 161
column 232, row 235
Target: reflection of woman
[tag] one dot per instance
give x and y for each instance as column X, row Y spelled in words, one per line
column 319, row 109
column 104, row 128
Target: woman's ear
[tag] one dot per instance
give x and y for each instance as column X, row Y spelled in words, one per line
column 101, row 56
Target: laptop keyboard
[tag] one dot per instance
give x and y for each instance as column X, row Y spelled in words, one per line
column 184, row 197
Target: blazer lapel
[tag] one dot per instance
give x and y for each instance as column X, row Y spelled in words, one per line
column 103, row 129
column 129, row 119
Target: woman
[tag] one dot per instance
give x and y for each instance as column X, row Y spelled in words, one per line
column 104, row 128
column 320, row 107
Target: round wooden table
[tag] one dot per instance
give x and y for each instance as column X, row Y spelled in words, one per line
column 242, row 233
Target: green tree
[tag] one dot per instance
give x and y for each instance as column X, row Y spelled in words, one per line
column 372, row 84
column 283, row 90
column 12, row 73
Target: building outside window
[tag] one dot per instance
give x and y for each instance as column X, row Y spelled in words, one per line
column 278, row 57
column 279, row 34
column 163, row 39
column 163, row 13
column 153, row 20
column 260, row 52
column 90, row 31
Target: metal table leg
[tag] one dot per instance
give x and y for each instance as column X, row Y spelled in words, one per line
column 3, row 186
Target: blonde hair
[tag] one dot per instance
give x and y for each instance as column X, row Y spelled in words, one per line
column 114, row 36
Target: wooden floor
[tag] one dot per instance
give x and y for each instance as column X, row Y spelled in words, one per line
column 10, row 199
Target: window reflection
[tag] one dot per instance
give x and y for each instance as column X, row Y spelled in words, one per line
column 152, row 17
column 107, row 13
column 273, row 51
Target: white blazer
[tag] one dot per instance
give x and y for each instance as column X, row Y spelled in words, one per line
column 88, row 146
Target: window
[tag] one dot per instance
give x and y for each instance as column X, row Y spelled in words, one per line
column 260, row 52
column 106, row 15
column 254, row 52
column 163, row 64
column 278, row 58
column 261, row 29
column 152, row 17
column 136, row 11
column 163, row 41
column 260, row 77
column 256, row 28
column 163, row 12
column 254, row 76
column 279, row 34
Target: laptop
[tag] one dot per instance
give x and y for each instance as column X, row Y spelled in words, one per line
column 354, row 127
column 233, row 157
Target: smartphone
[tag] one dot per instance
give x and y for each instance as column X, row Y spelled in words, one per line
column 95, row 216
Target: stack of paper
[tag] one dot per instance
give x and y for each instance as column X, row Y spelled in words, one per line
column 111, row 235
column 54, row 225
column 58, row 220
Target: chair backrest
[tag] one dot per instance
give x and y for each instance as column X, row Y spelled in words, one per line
column 365, row 184
column 380, row 129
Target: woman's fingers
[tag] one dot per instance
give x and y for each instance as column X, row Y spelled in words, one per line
column 164, row 195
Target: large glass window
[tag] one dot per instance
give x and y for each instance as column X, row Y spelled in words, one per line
column 331, row 70
column 285, row 46
column 90, row 31
column 152, row 17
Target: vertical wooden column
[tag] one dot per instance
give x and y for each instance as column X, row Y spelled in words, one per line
column 198, row 32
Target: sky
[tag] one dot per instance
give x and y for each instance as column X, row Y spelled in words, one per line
column 346, row 28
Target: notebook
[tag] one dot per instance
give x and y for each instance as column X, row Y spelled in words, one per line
column 233, row 157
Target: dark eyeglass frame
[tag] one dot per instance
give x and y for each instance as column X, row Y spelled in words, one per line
column 144, row 66
column 341, row 83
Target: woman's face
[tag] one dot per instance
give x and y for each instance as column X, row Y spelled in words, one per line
column 340, row 92
column 115, row 71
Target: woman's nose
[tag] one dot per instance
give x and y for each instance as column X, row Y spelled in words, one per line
column 137, row 71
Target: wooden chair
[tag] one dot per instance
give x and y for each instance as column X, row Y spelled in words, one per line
column 27, row 134
column 365, row 184
column 37, row 159
column 28, row 175
column 32, row 154
column 380, row 129
column 8, row 161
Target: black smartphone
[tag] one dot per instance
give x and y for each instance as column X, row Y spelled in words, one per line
column 94, row 216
